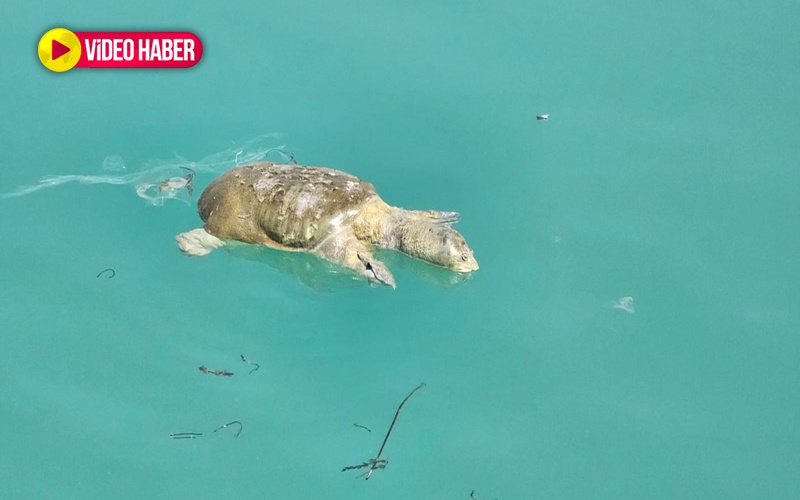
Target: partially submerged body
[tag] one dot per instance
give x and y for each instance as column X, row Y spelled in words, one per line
column 329, row 213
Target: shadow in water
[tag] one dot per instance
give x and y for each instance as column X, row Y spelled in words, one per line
column 323, row 276
column 403, row 265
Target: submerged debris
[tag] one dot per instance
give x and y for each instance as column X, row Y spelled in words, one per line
column 542, row 117
column 625, row 303
column 376, row 463
column 193, row 435
column 361, row 426
column 372, row 463
column 113, row 273
column 185, row 435
column 178, row 183
column 241, row 427
column 224, row 373
column 250, row 363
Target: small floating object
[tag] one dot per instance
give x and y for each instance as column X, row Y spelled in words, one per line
column 250, row 363
column 113, row 273
column 542, row 117
column 195, row 435
column 178, row 183
column 224, row 373
column 241, row 427
column 626, row 304
column 185, row 435
column 556, row 239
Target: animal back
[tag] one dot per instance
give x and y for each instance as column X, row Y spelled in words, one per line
column 291, row 205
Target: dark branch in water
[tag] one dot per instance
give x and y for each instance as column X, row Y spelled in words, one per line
column 241, row 427
column 362, row 427
column 113, row 273
column 359, row 466
column 224, row 373
column 376, row 463
column 250, row 363
column 372, row 463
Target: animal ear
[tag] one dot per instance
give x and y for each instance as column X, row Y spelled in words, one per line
column 443, row 217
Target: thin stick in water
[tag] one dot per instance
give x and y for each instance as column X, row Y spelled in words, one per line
column 224, row 373
column 361, row 427
column 250, row 363
column 376, row 463
column 113, row 273
column 241, row 427
column 185, row 435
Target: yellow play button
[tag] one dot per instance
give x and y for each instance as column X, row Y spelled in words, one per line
column 59, row 50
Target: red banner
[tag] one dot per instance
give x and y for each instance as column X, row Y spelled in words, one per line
column 138, row 49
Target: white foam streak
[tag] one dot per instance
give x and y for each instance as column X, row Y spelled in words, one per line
column 149, row 180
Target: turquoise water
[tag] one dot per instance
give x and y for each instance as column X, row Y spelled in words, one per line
column 667, row 172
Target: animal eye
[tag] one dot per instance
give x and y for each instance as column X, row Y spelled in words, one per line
column 464, row 257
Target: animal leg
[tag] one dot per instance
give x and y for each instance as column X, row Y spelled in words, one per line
column 198, row 242
column 347, row 251
column 375, row 270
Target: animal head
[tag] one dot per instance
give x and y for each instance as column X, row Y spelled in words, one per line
column 450, row 250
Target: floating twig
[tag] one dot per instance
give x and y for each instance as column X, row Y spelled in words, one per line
column 185, row 435
column 113, row 273
column 241, row 427
column 224, row 373
column 359, row 466
column 250, row 363
column 362, row 427
column 372, row 463
column 376, row 463
column 193, row 435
